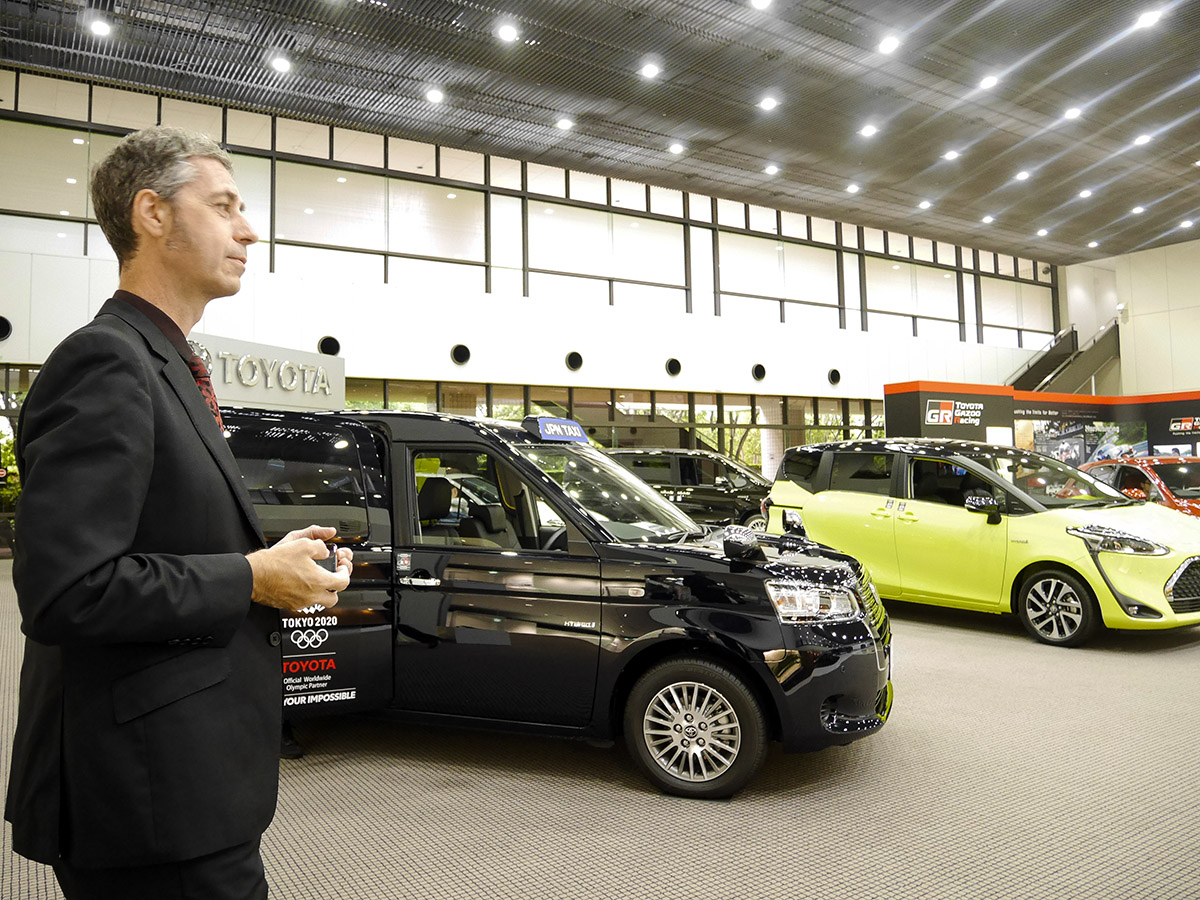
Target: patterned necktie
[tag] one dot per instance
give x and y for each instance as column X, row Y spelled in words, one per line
column 204, row 382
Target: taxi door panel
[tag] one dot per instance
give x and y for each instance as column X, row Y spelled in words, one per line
column 500, row 635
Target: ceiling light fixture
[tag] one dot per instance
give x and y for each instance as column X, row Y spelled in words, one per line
column 950, row 154
column 341, row 179
column 308, row 211
column 1138, row 210
column 451, row 196
column 1146, row 19
column 768, row 103
column 64, row 212
column 72, row 181
column 760, row 4
column 507, row 32
column 988, row 83
column 1085, row 193
column 924, row 204
column 772, row 169
column 1022, row 175
column 1073, row 113
column 1142, row 140
column 1042, row 232
column 868, row 131
column 676, row 148
column 1093, row 244
column 988, row 220
column 1186, row 223
column 565, row 124
column 100, row 28
column 433, row 95
column 895, row 265
column 281, row 64
column 650, row 70
column 852, row 189
column 81, row 141
column 889, row 44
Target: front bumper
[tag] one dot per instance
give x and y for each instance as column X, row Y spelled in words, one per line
column 1149, row 592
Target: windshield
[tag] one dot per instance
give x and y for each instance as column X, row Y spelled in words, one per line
column 627, row 507
column 1052, row 483
column 749, row 474
column 1181, row 479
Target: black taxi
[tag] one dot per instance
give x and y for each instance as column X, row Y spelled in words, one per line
column 509, row 574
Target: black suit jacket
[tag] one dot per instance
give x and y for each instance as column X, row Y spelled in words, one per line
column 150, row 697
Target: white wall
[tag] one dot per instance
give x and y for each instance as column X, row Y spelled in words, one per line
column 1089, row 294
column 393, row 331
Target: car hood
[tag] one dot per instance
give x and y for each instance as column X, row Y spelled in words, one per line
column 1147, row 520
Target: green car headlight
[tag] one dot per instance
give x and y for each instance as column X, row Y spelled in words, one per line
column 1112, row 540
column 798, row 601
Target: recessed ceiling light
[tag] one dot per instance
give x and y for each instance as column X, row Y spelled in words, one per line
column 760, row 4
column 1042, row 232
column 1085, row 193
column 988, row 220
column 433, row 95
column 772, row 169
column 895, row 265
column 868, row 130
column 650, row 70
column 1022, row 175
column 1142, row 139
column 64, row 212
column 1093, row 244
column 308, row 211
column 1073, row 113
column 1146, row 19
column 950, row 154
column 1196, row 163
column 72, row 181
column 507, row 32
column 924, row 204
column 1186, row 223
column 451, row 196
column 548, row 211
column 61, row 234
column 341, row 179
column 101, row 28
column 852, row 189
column 988, row 83
column 889, row 44
column 1138, row 210
column 768, row 103
column 947, row 275
column 80, row 141
column 565, row 124
column 281, row 64
column 676, row 148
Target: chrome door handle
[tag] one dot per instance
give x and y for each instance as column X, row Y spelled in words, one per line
column 419, row 582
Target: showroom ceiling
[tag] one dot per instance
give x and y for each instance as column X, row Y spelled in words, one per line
column 1132, row 84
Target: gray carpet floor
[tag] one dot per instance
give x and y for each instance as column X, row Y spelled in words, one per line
column 1008, row 770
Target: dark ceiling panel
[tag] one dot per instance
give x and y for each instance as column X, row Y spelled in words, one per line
column 366, row 64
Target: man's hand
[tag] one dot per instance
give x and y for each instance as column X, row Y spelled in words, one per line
column 286, row 576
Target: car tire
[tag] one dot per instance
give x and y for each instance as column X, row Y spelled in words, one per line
column 755, row 522
column 1057, row 608
column 670, row 717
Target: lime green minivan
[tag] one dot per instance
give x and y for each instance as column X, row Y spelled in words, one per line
column 995, row 529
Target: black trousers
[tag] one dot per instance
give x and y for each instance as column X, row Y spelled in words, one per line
column 232, row 874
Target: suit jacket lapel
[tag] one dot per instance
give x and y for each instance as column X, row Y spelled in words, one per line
column 179, row 377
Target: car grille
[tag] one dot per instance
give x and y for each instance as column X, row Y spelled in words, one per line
column 1184, row 593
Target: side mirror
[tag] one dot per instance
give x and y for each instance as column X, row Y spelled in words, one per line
column 986, row 505
column 739, row 542
column 793, row 523
column 1134, row 493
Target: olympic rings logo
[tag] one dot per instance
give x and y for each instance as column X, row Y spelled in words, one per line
column 310, row 639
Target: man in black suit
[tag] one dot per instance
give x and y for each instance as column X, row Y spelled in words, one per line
column 145, row 760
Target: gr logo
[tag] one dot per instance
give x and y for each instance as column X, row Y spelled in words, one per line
column 309, row 639
column 939, row 412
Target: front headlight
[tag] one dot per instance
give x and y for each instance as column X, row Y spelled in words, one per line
column 798, row 601
column 1111, row 540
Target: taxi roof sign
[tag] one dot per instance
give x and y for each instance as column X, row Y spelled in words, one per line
column 551, row 429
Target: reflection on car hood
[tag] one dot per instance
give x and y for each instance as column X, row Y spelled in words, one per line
column 1147, row 520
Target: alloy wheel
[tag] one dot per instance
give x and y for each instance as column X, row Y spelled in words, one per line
column 692, row 731
column 1054, row 609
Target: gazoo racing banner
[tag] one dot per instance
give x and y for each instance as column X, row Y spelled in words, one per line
column 953, row 412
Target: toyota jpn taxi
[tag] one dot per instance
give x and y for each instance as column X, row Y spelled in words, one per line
column 997, row 529
column 510, row 575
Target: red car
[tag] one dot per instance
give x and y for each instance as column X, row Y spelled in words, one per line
column 1173, row 481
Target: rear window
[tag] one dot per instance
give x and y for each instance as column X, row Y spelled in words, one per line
column 800, row 467
column 865, row 473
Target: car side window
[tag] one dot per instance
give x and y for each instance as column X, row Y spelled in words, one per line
column 651, row 469
column 1133, row 478
column 800, row 467
column 941, row 481
column 471, row 498
column 864, row 473
column 1105, row 474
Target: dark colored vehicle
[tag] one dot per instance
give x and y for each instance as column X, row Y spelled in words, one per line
column 570, row 599
column 1173, row 481
column 711, row 488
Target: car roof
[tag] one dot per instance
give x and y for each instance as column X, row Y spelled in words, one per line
column 1143, row 461
column 944, row 446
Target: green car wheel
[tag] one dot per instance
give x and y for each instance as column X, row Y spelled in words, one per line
column 1057, row 608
